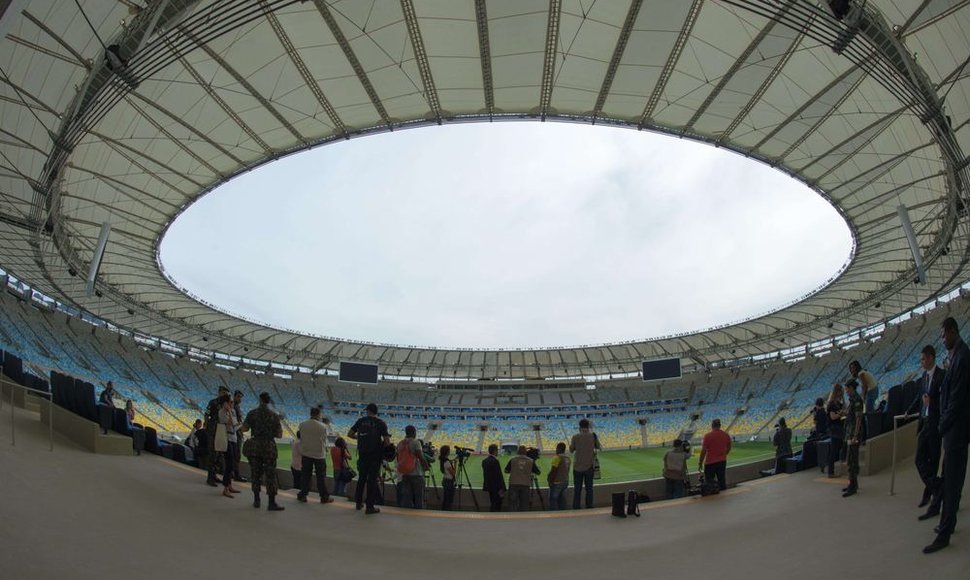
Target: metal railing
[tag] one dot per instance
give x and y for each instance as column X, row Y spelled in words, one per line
column 8, row 385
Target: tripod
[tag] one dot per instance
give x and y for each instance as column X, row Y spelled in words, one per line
column 429, row 473
column 538, row 490
column 463, row 471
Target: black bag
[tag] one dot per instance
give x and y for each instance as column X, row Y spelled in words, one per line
column 709, row 488
column 347, row 475
column 633, row 503
column 619, row 504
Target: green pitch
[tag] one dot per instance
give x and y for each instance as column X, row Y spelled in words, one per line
column 616, row 466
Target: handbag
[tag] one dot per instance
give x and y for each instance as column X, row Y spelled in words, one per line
column 347, row 475
column 222, row 438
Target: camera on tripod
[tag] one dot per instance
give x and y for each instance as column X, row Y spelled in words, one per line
column 429, row 451
column 532, row 453
column 462, row 453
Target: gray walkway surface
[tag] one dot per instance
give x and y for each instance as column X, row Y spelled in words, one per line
column 72, row 514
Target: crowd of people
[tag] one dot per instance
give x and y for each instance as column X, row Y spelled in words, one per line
column 218, row 441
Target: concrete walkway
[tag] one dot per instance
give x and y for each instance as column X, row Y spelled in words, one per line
column 72, row 514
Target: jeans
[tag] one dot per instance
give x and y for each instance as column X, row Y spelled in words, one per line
column 871, row 398
column 716, row 470
column 675, row 488
column 557, row 496
column 581, row 478
column 309, row 466
column 339, row 486
column 449, row 498
column 230, row 459
column 369, row 469
column 521, row 498
column 412, row 492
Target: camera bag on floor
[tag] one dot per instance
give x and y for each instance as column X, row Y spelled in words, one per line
column 709, row 487
column 633, row 503
column 619, row 504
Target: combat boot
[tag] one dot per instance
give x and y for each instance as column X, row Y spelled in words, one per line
column 256, row 502
column 273, row 506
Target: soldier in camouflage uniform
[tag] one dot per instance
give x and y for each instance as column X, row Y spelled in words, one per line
column 211, row 421
column 853, row 433
column 264, row 425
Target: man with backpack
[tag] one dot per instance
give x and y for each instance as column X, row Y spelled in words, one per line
column 372, row 437
column 411, row 465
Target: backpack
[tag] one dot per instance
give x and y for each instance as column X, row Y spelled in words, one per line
column 406, row 460
column 633, row 503
column 369, row 439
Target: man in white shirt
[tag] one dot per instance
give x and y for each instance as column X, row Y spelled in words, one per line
column 313, row 443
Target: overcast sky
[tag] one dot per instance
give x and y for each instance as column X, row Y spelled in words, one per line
column 506, row 235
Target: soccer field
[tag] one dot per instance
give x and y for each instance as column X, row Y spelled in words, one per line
column 616, row 466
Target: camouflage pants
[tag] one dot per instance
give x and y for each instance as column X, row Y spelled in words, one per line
column 263, row 468
column 852, row 458
column 215, row 458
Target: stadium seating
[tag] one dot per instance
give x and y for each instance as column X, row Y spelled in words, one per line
column 169, row 390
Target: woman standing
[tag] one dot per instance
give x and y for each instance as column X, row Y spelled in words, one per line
column 340, row 458
column 836, row 412
column 447, row 477
column 227, row 418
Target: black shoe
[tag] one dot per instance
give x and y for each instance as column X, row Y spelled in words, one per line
column 211, row 483
column 936, row 529
column 850, row 492
column 932, row 513
column 327, row 499
column 274, row 507
column 937, row 545
column 256, row 502
column 301, row 498
column 927, row 495
column 241, row 479
column 360, row 506
column 845, row 489
column 372, row 510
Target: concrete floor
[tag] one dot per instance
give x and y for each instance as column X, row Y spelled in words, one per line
column 72, row 514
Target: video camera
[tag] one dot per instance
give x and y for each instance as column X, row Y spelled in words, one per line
column 532, row 453
column 462, row 453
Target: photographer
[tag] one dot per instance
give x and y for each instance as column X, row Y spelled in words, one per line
column 494, row 481
column 372, row 437
column 411, row 465
column 675, row 470
column 559, row 478
column 520, row 469
column 583, row 445
column 447, row 477
column 782, row 443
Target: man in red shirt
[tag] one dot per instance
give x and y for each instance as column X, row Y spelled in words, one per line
column 714, row 452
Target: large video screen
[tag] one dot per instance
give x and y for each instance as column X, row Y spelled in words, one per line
column 660, row 369
column 351, row 372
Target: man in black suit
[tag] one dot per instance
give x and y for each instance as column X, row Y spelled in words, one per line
column 494, row 480
column 928, row 441
column 955, row 430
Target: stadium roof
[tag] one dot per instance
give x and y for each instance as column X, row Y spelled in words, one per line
column 871, row 111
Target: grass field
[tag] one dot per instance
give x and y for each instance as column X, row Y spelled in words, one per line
column 616, row 466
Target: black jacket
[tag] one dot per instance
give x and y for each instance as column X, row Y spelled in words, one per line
column 492, row 471
column 933, row 390
column 955, row 399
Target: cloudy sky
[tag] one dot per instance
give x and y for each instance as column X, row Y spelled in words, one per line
column 506, row 235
